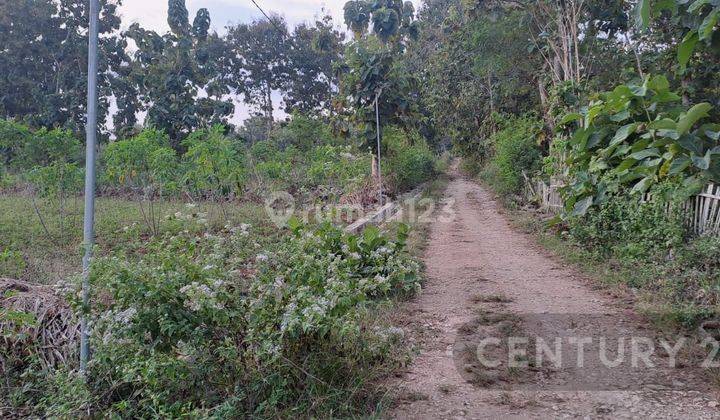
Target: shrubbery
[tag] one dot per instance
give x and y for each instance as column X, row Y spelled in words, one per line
column 633, row 137
column 625, row 228
column 408, row 159
column 516, row 150
column 145, row 163
column 200, row 323
column 301, row 157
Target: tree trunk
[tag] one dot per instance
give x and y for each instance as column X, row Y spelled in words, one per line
column 545, row 106
column 268, row 108
column 685, row 83
column 374, row 167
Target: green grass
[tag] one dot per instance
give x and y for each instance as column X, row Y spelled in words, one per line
column 641, row 283
column 47, row 258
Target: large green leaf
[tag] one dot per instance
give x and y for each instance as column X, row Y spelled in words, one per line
column 693, row 115
column 691, row 143
column 642, row 185
column 645, row 154
column 580, row 138
column 665, row 123
column 620, row 116
column 708, row 24
column 592, row 113
column 702, row 162
column 581, row 207
column 574, row 116
column 625, row 165
column 659, row 83
column 642, row 13
column 623, row 133
column 697, row 4
column 686, row 48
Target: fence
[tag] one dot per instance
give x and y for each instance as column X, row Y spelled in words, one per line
column 701, row 211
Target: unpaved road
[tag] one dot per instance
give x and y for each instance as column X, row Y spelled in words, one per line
column 478, row 266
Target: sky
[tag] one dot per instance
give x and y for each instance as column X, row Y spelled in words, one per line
column 152, row 14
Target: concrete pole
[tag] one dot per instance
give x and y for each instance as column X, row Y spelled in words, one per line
column 377, row 129
column 91, row 140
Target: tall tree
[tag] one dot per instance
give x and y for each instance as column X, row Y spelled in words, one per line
column 179, row 76
column 43, row 60
column 374, row 70
column 258, row 60
column 312, row 52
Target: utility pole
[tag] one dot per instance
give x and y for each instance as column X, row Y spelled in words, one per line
column 377, row 130
column 90, row 141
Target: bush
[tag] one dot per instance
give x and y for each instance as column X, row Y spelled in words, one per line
column 516, row 150
column 692, row 277
column 337, row 168
column 12, row 263
column 57, row 179
column 634, row 137
column 213, row 167
column 408, row 160
column 45, row 147
column 13, row 138
column 309, row 307
column 303, row 133
column 144, row 162
column 625, row 228
column 198, row 323
column 325, row 169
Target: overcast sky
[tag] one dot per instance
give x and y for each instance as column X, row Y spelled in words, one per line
column 152, row 14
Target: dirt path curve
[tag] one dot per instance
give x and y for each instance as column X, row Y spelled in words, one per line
column 477, row 264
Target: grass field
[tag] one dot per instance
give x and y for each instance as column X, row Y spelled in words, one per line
column 49, row 250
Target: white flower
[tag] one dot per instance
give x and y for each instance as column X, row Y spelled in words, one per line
column 355, row 255
column 190, row 205
column 396, row 332
column 261, row 257
column 125, row 316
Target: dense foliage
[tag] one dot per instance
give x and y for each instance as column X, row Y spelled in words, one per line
column 634, row 137
column 614, row 104
column 204, row 322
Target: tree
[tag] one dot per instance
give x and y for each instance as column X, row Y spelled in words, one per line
column 470, row 65
column 258, row 62
column 311, row 84
column 43, row 64
column 373, row 70
column 170, row 73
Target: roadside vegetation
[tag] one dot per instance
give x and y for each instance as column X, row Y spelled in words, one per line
column 622, row 127
column 203, row 307
column 202, row 304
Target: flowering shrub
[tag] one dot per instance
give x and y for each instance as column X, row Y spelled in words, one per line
column 311, row 284
column 227, row 323
column 308, row 308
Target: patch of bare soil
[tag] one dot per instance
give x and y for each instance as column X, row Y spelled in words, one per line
column 487, row 281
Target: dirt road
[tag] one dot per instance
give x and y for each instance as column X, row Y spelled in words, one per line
column 483, row 278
